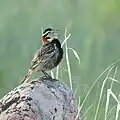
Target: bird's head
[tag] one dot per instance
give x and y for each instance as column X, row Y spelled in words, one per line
column 48, row 35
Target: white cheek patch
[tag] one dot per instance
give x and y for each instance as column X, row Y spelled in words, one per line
column 50, row 39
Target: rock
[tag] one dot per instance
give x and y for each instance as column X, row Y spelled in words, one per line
column 40, row 99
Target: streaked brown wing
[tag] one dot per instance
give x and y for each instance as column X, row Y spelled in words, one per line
column 42, row 55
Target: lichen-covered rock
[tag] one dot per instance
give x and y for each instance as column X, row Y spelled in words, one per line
column 40, row 99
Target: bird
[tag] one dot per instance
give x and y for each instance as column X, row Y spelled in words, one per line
column 48, row 56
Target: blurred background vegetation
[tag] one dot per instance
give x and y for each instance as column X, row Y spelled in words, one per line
column 95, row 29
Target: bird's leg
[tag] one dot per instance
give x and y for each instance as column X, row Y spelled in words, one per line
column 46, row 74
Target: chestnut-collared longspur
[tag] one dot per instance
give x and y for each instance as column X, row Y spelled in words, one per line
column 48, row 56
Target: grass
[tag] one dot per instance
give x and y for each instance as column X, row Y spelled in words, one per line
column 109, row 91
column 110, row 94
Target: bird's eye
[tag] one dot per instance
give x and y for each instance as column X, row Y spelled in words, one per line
column 47, row 37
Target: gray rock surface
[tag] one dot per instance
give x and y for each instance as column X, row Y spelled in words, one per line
column 40, row 99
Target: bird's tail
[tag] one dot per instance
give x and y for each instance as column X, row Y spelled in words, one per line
column 27, row 76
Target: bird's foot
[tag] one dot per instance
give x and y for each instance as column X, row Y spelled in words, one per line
column 47, row 75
